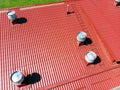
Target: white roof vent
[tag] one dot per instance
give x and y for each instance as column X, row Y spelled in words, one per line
column 11, row 15
column 81, row 37
column 17, row 77
column 117, row 1
column 90, row 56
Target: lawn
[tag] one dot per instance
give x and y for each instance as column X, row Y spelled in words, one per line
column 16, row 3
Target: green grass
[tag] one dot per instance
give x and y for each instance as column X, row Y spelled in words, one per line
column 16, row 3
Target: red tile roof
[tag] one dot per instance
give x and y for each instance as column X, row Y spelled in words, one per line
column 46, row 44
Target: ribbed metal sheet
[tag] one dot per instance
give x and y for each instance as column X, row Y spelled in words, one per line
column 47, row 44
column 105, row 17
column 102, row 81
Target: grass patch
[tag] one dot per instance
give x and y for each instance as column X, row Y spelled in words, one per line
column 16, row 3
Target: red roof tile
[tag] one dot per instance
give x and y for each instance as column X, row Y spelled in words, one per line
column 46, row 44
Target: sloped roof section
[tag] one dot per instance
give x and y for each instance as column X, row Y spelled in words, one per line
column 45, row 44
column 105, row 17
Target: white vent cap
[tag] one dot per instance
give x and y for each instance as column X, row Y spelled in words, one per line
column 90, row 56
column 81, row 37
column 11, row 13
column 17, row 77
column 117, row 1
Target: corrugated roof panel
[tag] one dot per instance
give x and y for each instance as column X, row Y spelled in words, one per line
column 46, row 44
column 105, row 17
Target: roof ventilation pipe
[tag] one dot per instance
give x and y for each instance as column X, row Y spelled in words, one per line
column 81, row 37
column 17, row 77
column 11, row 15
column 117, row 2
column 90, row 57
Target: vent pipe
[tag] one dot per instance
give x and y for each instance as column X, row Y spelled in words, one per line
column 11, row 15
column 81, row 37
column 117, row 2
column 90, row 56
column 17, row 77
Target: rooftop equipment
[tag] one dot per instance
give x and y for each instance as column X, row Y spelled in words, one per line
column 90, row 56
column 81, row 37
column 117, row 1
column 17, row 77
column 11, row 15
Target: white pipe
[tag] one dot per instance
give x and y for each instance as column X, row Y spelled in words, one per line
column 11, row 15
column 118, row 1
column 90, row 56
column 17, row 77
column 81, row 37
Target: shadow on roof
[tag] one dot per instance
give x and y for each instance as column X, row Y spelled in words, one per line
column 118, row 4
column 118, row 62
column 32, row 78
column 70, row 12
column 20, row 20
column 97, row 60
column 87, row 41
